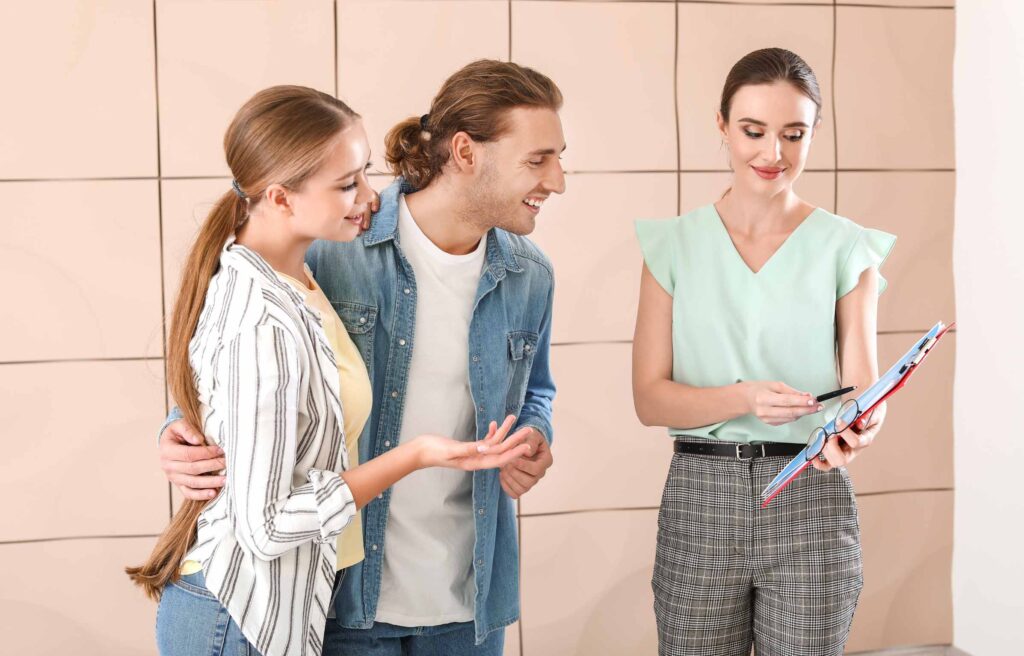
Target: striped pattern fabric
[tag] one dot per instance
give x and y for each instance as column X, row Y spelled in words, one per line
column 729, row 575
column 268, row 385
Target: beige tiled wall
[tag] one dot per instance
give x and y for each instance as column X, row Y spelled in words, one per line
column 110, row 154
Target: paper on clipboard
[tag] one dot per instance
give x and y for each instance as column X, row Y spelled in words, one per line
column 887, row 384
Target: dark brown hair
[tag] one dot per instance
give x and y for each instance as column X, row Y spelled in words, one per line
column 474, row 100
column 766, row 67
column 281, row 135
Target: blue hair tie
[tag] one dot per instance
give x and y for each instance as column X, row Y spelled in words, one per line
column 238, row 190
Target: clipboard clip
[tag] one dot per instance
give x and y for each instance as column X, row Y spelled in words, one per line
column 923, row 350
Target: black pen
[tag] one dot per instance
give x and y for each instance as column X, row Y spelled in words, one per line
column 832, row 395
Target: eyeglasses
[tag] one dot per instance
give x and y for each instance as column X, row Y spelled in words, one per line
column 848, row 414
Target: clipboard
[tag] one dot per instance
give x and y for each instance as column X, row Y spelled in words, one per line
column 888, row 384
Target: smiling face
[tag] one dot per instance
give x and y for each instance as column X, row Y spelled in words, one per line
column 519, row 171
column 329, row 204
column 769, row 135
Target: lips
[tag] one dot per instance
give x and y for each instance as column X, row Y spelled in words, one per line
column 768, row 172
column 534, row 204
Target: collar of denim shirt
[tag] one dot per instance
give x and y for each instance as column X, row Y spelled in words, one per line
column 500, row 256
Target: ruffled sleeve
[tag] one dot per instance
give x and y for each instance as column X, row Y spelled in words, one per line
column 870, row 249
column 656, row 239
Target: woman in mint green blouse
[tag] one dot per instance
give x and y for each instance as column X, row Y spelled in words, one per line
column 749, row 308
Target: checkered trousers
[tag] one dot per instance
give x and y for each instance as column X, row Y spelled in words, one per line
column 728, row 575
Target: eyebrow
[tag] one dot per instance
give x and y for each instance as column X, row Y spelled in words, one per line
column 546, row 151
column 796, row 124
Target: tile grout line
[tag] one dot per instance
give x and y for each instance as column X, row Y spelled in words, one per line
column 154, row 358
column 835, row 124
column 147, row 358
column 588, row 511
column 519, row 538
column 519, row 522
column 160, row 220
column 76, row 537
column 335, row 29
column 176, row 178
column 675, row 105
column 768, row 3
column 519, row 517
column 608, row 342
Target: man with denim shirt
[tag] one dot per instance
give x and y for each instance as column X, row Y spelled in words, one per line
column 473, row 175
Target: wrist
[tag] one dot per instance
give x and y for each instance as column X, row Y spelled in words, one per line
column 744, row 404
column 416, row 455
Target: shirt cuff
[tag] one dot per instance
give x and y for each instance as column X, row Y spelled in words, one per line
column 335, row 505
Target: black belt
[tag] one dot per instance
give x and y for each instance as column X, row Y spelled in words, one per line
column 738, row 450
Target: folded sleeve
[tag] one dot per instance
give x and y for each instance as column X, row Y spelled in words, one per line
column 656, row 239
column 870, row 249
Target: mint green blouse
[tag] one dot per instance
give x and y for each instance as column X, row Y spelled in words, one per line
column 730, row 324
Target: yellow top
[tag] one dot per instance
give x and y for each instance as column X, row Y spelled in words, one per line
column 356, row 400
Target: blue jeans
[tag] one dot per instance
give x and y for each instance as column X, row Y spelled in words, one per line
column 381, row 639
column 191, row 622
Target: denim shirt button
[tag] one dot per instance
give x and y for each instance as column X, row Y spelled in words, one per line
column 387, row 443
column 362, row 319
column 407, row 290
column 476, row 358
column 394, row 395
column 479, row 563
column 401, row 342
column 480, row 512
column 373, row 547
column 480, row 408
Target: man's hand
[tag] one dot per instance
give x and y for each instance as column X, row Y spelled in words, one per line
column 520, row 475
column 190, row 465
column 842, row 449
column 367, row 217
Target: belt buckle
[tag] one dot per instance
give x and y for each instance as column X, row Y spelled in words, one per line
column 739, row 453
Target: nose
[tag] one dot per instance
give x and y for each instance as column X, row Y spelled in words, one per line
column 364, row 193
column 554, row 181
column 773, row 152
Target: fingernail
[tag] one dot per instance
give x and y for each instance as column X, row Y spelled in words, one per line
column 482, row 448
column 810, row 401
column 820, row 408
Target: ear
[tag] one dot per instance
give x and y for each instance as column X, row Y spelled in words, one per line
column 464, row 152
column 278, row 202
column 723, row 127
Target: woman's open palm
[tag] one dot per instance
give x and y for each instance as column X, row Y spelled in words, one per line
column 493, row 451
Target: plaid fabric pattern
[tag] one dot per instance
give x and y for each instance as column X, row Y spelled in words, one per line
column 728, row 575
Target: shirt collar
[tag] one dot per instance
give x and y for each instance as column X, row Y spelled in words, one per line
column 384, row 227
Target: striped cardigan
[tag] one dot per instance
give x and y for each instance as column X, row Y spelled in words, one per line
column 268, row 386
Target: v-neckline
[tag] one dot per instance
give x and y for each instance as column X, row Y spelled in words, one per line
column 736, row 252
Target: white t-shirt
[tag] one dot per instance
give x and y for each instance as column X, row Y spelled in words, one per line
column 427, row 574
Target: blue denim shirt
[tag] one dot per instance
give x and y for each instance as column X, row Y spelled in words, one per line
column 372, row 287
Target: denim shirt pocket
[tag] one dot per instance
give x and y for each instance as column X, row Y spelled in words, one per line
column 359, row 320
column 522, row 346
